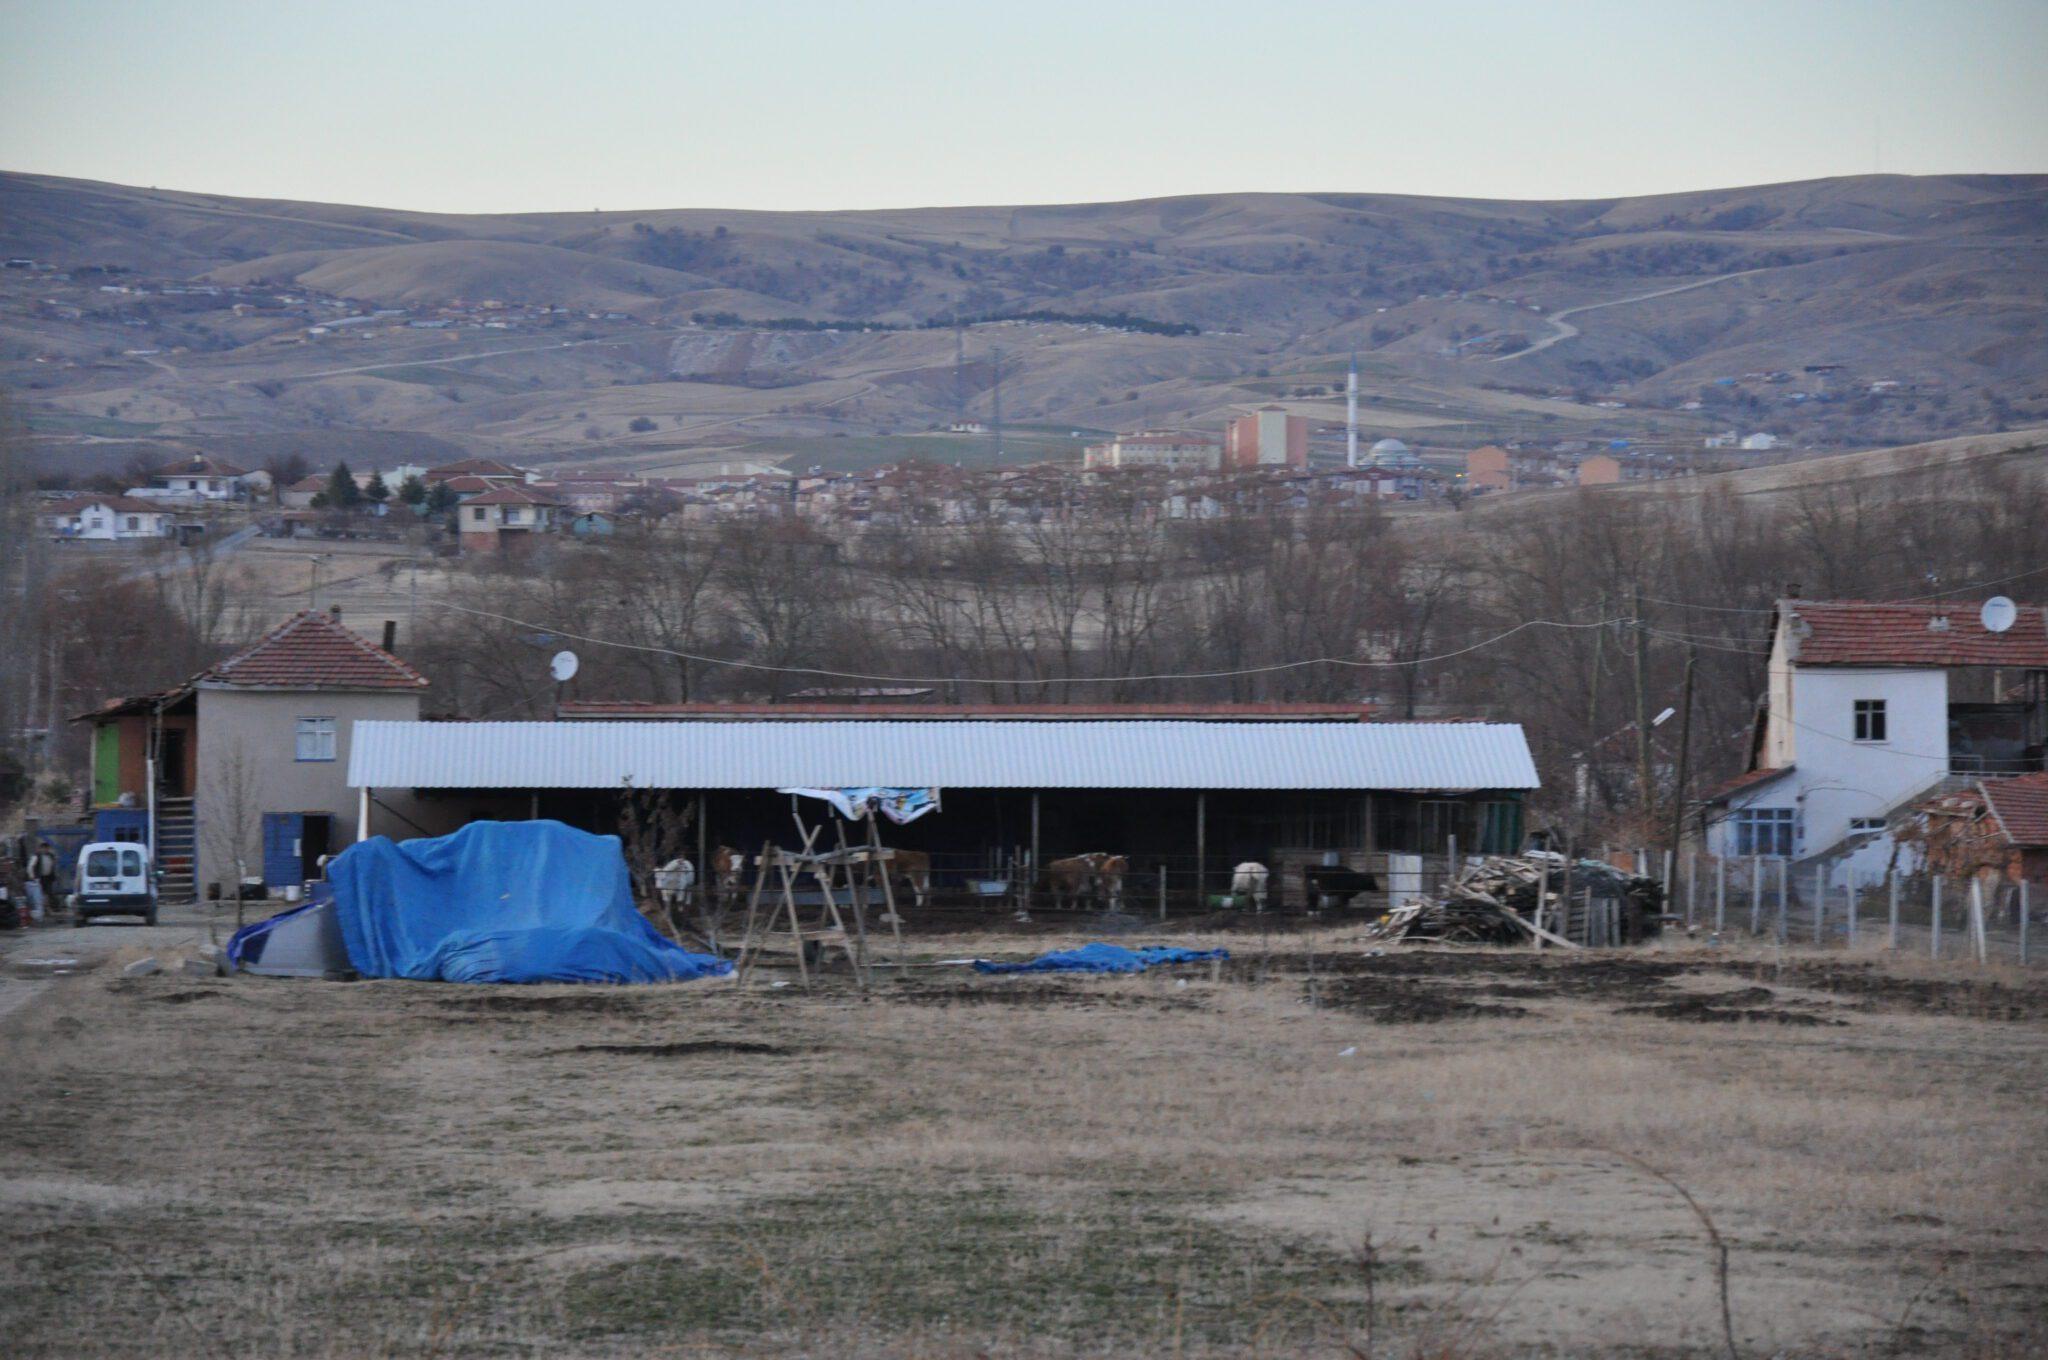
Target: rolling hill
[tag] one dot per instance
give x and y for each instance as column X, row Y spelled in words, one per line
column 1473, row 319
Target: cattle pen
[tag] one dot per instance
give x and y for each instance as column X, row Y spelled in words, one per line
column 1181, row 796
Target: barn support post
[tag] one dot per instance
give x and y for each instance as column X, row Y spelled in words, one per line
column 1891, row 940
column 1720, row 895
column 698, row 889
column 1850, row 889
column 1201, row 851
column 1692, row 888
column 1820, row 902
column 1031, row 870
column 362, row 818
column 1756, row 895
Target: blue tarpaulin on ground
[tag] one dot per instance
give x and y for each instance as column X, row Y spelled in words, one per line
column 1102, row 958
column 502, row 902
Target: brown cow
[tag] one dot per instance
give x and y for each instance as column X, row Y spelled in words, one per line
column 913, row 869
column 1095, row 874
column 727, row 864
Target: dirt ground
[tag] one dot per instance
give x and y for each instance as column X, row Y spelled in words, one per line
column 1316, row 1148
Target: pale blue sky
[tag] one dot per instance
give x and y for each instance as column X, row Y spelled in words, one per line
column 520, row 105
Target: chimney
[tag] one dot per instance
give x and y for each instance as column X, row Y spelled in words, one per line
column 391, row 635
column 334, row 612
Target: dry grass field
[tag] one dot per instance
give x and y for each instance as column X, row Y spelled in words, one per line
column 1318, row 1151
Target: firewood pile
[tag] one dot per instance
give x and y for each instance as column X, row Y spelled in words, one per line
column 1494, row 901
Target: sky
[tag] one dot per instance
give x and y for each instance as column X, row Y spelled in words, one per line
column 528, row 105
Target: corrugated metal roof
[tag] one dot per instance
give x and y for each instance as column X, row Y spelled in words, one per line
column 946, row 755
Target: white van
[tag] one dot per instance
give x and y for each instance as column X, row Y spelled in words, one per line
column 114, row 880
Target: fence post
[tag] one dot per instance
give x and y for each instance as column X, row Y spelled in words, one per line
column 1979, row 942
column 1891, row 876
column 1586, row 921
column 1756, row 895
column 1784, row 895
column 2023, row 921
column 1692, row 888
column 1720, row 895
column 1820, row 902
column 1934, row 936
column 1852, row 908
column 1162, row 892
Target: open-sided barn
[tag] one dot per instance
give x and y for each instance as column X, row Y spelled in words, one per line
column 1189, row 792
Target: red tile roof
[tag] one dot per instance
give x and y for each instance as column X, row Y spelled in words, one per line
column 127, row 505
column 1860, row 633
column 474, row 467
column 312, row 650
column 2021, row 806
column 1728, row 788
column 512, row 495
column 199, row 465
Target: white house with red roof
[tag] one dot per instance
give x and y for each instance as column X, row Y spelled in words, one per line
column 197, row 479
column 1872, row 707
column 108, row 519
column 505, row 517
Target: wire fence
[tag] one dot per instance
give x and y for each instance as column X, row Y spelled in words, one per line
column 1987, row 919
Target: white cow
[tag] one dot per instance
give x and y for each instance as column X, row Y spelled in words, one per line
column 1248, row 883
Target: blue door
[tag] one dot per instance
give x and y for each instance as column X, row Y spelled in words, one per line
column 282, row 834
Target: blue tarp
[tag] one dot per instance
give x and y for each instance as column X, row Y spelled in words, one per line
column 1102, row 958
column 502, row 902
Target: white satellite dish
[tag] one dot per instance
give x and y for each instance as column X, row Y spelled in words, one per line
column 1999, row 614
column 563, row 667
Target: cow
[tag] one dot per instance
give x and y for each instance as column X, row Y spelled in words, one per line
column 1248, row 884
column 912, row 869
column 727, row 864
column 1095, row 875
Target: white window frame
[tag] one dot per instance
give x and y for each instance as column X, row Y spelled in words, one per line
column 1870, row 721
column 1760, row 832
column 317, row 735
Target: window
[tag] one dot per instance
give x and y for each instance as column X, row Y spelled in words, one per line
column 134, row 523
column 316, row 739
column 131, row 863
column 479, row 514
column 1866, row 826
column 1764, row 831
column 1870, row 720
column 102, row 864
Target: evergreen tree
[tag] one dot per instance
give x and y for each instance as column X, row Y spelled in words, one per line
column 412, row 491
column 377, row 492
column 441, row 500
column 342, row 491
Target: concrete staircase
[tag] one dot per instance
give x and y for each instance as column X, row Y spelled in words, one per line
column 177, row 850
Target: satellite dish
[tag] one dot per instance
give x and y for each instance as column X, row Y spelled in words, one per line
column 563, row 667
column 1999, row 614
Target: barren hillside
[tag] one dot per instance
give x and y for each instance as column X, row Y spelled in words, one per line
column 1888, row 308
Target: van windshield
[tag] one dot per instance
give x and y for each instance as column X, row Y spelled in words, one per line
column 103, row 863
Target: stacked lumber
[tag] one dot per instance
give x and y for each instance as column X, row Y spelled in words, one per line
column 1495, row 901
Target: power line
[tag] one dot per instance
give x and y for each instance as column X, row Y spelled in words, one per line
column 1854, row 604
column 1024, row 680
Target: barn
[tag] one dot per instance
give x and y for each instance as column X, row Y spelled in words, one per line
column 1184, row 792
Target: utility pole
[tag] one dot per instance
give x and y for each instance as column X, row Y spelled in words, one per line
column 1643, row 790
column 1592, row 731
column 1692, row 660
column 997, row 419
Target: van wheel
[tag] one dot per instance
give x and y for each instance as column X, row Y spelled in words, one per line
column 149, row 917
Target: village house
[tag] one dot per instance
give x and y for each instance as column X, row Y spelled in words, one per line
column 196, row 480
column 505, row 517
column 245, row 764
column 108, row 519
column 1872, row 708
